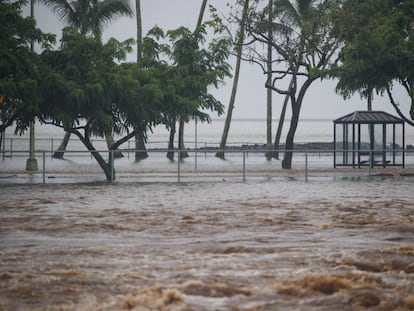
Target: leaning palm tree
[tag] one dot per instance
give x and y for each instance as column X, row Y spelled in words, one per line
column 293, row 18
column 88, row 17
column 239, row 49
column 269, row 79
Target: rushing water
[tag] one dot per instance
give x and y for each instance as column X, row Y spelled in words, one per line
column 278, row 245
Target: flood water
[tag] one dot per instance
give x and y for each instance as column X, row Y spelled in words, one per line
column 277, row 245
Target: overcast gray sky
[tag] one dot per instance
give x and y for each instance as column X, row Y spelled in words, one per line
column 320, row 101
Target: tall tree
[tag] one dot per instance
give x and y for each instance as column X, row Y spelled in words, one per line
column 190, row 67
column 31, row 163
column 89, row 18
column 378, row 51
column 304, row 48
column 141, row 152
column 19, row 96
column 269, row 78
column 184, row 118
column 199, row 68
column 86, row 92
column 230, row 108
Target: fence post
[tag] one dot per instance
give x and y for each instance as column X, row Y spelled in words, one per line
column 244, row 165
column 52, row 147
column 306, row 166
column 11, row 148
column 44, row 167
column 179, row 166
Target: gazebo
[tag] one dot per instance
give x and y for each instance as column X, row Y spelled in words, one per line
column 364, row 138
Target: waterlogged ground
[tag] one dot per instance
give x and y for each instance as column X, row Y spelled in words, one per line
column 277, row 245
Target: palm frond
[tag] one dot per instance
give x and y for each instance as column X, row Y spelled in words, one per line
column 63, row 9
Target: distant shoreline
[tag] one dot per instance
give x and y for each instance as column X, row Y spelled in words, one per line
column 263, row 147
column 273, row 120
column 314, row 146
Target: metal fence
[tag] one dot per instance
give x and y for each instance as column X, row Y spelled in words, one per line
column 241, row 165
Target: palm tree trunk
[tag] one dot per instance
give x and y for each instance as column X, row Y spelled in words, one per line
column 141, row 152
column 239, row 47
column 31, row 163
column 201, row 14
column 62, row 147
column 139, row 30
column 281, row 122
column 280, row 128
column 269, row 79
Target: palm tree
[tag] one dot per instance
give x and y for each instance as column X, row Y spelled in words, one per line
column 239, row 49
column 31, row 163
column 295, row 15
column 269, row 78
column 89, row 17
column 139, row 29
column 141, row 152
column 299, row 22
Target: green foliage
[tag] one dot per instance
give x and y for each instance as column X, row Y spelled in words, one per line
column 378, row 46
column 89, row 16
column 138, row 97
column 187, row 67
column 301, row 38
column 18, row 63
column 83, row 86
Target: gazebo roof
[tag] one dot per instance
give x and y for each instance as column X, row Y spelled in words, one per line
column 369, row 117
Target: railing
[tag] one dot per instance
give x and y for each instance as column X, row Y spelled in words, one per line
column 12, row 145
column 238, row 166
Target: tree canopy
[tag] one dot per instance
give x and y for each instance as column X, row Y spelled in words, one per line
column 18, row 76
column 378, row 50
column 89, row 16
column 188, row 67
column 303, row 48
column 87, row 93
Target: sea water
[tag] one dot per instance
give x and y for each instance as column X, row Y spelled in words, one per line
column 197, row 135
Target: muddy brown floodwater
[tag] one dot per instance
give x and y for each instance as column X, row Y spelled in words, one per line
column 278, row 245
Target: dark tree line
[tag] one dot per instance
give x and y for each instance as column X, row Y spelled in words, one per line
column 84, row 88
